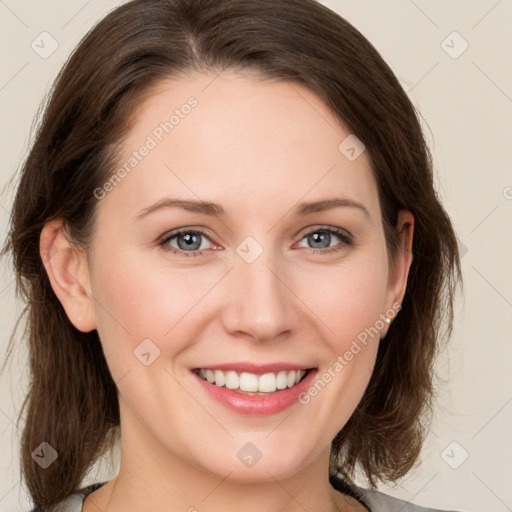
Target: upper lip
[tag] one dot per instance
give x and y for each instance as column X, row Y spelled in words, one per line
column 258, row 369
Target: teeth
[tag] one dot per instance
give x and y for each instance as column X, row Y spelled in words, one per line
column 252, row 383
column 267, row 383
column 220, row 378
column 248, row 382
column 281, row 380
column 232, row 380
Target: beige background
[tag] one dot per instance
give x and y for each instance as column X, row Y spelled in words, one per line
column 466, row 102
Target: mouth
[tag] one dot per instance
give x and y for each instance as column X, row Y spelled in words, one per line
column 248, row 383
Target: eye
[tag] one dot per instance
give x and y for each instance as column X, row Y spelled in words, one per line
column 321, row 239
column 189, row 243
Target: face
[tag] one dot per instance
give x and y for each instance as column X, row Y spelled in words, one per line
column 252, row 282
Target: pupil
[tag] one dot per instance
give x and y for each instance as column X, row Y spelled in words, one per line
column 190, row 239
column 320, row 236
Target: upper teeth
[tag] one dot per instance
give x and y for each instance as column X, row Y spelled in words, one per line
column 266, row 383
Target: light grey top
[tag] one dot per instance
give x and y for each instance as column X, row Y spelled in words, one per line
column 375, row 500
column 380, row 502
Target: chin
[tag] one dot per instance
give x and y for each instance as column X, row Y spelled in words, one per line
column 262, row 460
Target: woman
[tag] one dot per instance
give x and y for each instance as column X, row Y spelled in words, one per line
column 234, row 257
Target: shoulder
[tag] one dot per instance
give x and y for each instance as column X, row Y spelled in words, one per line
column 72, row 503
column 381, row 502
column 376, row 501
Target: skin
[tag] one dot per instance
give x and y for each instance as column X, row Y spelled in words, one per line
column 275, row 144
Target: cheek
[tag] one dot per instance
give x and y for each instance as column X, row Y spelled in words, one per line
column 349, row 301
column 130, row 306
column 350, row 310
column 348, row 298
column 137, row 300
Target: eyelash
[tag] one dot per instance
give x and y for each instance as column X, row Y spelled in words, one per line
column 346, row 240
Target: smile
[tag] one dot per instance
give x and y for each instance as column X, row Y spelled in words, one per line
column 251, row 383
column 255, row 389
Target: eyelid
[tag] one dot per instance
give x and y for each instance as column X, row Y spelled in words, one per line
column 324, row 227
column 199, row 230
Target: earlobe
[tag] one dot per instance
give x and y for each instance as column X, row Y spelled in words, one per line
column 68, row 272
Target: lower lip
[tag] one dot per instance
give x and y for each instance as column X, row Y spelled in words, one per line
column 258, row 405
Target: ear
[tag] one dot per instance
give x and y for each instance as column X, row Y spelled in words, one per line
column 399, row 271
column 68, row 272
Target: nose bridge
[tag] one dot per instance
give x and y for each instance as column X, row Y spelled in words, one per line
column 260, row 303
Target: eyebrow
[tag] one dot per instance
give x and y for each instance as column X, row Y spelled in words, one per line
column 214, row 209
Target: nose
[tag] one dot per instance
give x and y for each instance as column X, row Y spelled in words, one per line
column 259, row 300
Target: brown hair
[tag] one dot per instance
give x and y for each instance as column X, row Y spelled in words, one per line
column 72, row 401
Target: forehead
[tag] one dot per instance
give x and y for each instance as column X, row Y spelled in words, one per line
column 239, row 140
